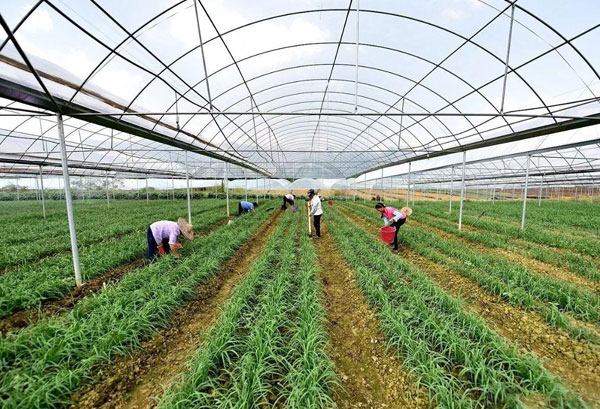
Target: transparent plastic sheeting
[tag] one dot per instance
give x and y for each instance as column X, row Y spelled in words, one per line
column 284, row 80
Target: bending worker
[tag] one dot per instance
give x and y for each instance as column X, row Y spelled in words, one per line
column 162, row 236
column 393, row 217
column 245, row 207
column 289, row 198
column 316, row 211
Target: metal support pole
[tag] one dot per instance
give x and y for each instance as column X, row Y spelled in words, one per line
column 42, row 193
column 382, row 191
column 512, row 18
column 525, row 194
column 365, row 196
column 107, row 194
column 494, row 194
column 408, row 184
column 540, row 191
column 256, row 182
column 246, row 188
column 451, row 190
column 18, row 197
column 69, row 200
column 462, row 192
column 227, row 186
column 147, row 193
column 37, row 190
column 356, row 68
column 187, row 182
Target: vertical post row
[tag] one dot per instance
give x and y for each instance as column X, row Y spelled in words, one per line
column 408, row 184
column 462, row 191
column 540, row 191
column 451, row 190
column 107, row 193
column 42, row 193
column 187, row 182
column 69, row 200
column 525, row 194
column 227, row 186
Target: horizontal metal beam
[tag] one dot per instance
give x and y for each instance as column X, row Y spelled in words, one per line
column 511, row 137
column 507, row 114
column 29, row 96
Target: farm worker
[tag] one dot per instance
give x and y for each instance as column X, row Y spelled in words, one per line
column 162, row 236
column 315, row 211
column 393, row 217
column 245, row 207
column 289, row 198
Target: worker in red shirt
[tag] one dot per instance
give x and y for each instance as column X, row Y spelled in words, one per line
column 393, row 217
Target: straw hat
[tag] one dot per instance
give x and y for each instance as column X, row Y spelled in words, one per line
column 406, row 210
column 186, row 229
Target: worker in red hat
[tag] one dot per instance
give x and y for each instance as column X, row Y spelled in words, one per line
column 393, row 217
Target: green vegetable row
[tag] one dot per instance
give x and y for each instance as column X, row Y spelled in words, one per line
column 268, row 345
column 43, row 364
column 454, row 354
column 576, row 263
column 52, row 278
column 47, row 240
column 544, row 233
column 514, row 283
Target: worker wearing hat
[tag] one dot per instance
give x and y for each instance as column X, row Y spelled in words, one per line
column 393, row 217
column 316, row 211
column 162, row 236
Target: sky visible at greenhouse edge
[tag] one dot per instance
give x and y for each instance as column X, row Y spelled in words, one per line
column 47, row 36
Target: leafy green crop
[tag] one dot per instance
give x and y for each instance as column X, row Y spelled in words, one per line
column 455, row 354
column 268, row 345
column 41, row 365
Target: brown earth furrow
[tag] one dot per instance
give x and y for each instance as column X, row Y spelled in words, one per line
column 370, row 376
column 135, row 381
column 576, row 362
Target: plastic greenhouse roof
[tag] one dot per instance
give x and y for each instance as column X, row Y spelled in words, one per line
column 324, row 89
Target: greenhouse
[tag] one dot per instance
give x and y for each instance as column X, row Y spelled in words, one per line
column 311, row 204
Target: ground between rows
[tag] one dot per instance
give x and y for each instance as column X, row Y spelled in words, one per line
column 134, row 381
column 370, row 376
column 576, row 362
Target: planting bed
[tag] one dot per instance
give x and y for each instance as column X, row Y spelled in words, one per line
column 256, row 314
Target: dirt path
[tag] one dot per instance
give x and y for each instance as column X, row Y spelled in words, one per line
column 134, row 381
column 370, row 376
column 576, row 362
column 23, row 318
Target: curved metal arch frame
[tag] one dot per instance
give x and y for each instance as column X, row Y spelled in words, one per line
column 566, row 41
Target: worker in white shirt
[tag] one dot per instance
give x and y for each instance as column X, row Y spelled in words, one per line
column 316, row 211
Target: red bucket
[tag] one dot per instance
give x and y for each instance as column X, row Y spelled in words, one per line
column 387, row 234
column 330, row 202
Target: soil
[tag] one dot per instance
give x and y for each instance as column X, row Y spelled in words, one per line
column 135, row 381
column 370, row 377
column 24, row 318
column 576, row 362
